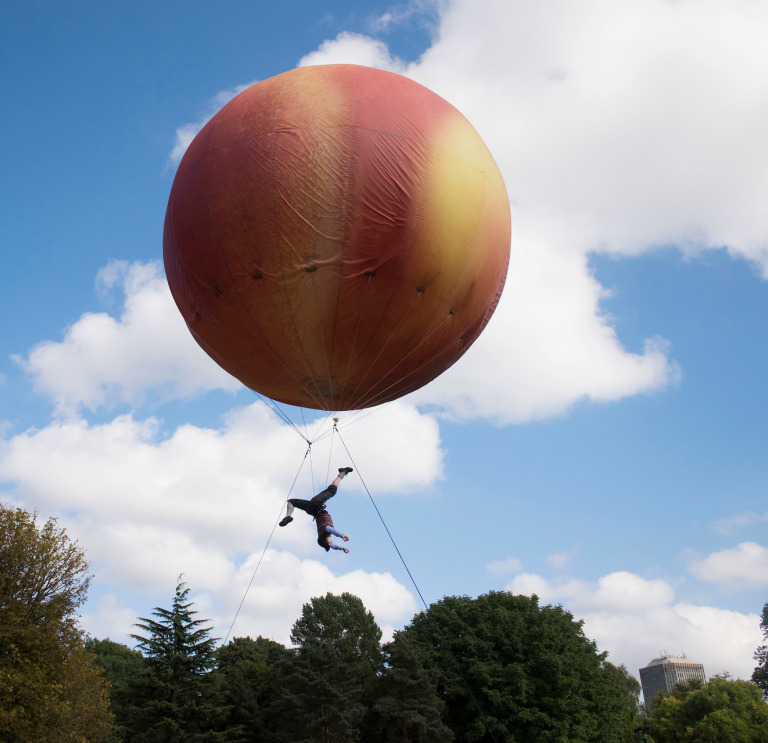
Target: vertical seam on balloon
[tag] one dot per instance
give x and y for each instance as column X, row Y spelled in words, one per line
column 196, row 292
column 444, row 298
column 280, row 255
column 322, row 338
column 262, row 338
column 417, row 226
column 234, row 312
column 346, row 229
column 354, row 342
column 368, row 402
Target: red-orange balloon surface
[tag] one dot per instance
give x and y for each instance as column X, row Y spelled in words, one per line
column 337, row 236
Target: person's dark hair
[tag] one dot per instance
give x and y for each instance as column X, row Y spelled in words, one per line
column 323, row 542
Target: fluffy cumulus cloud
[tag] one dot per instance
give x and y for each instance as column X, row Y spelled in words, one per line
column 627, row 614
column 619, row 128
column 741, row 567
column 150, row 506
column 104, row 360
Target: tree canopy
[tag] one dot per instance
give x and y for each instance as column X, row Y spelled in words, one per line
column 720, row 710
column 49, row 689
column 175, row 698
column 529, row 669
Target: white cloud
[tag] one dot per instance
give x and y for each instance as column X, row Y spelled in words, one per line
column 730, row 524
column 187, row 132
column 349, row 48
column 634, row 619
column 103, row 361
column 107, row 618
column 502, row 567
column 741, row 567
column 201, row 501
column 619, row 128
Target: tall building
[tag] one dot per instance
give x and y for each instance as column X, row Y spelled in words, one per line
column 662, row 673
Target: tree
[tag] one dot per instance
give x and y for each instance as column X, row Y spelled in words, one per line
column 247, row 674
column 175, row 698
column 407, row 707
column 760, row 675
column 123, row 667
column 344, row 622
column 721, row 710
column 49, row 689
column 628, row 713
column 530, row 670
column 326, row 683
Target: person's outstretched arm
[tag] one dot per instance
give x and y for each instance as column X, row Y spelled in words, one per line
column 330, row 530
column 335, row 546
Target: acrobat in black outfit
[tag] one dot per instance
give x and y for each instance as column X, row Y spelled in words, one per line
column 316, row 509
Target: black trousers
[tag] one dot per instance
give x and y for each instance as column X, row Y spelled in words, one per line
column 317, row 504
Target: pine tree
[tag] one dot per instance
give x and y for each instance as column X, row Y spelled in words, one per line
column 408, row 708
column 176, row 698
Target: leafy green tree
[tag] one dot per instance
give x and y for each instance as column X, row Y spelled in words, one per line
column 530, row 670
column 628, row 715
column 320, row 698
column 247, row 674
column 49, row 689
column 176, row 699
column 408, row 708
column 344, row 622
column 123, row 667
column 760, row 675
column 721, row 710
column 326, row 684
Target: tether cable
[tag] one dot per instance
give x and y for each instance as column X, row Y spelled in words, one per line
column 426, row 607
column 266, row 546
column 282, row 414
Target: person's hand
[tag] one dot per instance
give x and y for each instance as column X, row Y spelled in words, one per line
column 345, row 537
column 345, row 550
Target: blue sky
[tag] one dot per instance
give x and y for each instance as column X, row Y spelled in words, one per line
column 602, row 445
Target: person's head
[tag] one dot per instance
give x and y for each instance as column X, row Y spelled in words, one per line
column 325, row 542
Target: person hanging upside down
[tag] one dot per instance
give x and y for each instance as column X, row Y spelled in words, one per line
column 316, row 509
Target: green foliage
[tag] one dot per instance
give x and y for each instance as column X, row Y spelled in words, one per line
column 176, row 699
column 530, row 669
column 407, row 706
column 122, row 668
column 43, row 573
column 49, row 689
column 248, row 677
column 627, row 687
column 721, row 710
column 760, row 675
column 326, row 683
column 320, row 697
column 344, row 622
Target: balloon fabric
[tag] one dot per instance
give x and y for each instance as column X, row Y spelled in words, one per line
column 337, row 237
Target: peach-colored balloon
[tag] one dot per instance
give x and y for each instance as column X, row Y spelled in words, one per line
column 337, row 236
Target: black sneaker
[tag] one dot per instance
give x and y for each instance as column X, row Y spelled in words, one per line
column 345, row 470
column 287, row 520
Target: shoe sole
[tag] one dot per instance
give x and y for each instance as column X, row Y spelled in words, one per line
column 287, row 520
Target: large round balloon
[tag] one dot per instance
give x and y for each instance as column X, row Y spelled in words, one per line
column 337, row 236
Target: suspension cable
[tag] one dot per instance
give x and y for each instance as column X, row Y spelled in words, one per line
column 426, row 607
column 264, row 552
